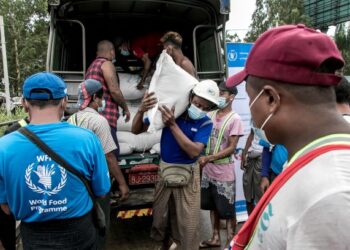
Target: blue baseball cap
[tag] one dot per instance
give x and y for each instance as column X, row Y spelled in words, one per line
column 44, row 86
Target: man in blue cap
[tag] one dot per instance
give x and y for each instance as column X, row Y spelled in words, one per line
column 52, row 203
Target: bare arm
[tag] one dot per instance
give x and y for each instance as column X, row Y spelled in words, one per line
column 113, row 84
column 192, row 149
column 228, row 151
column 188, row 67
column 115, row 171
column 148, row 102
column 146, row 68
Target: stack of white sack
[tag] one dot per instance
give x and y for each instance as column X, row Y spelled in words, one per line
column 128, row 86
column 133, row 107
column 155, row 149
column 137, row 143
column 172, row 87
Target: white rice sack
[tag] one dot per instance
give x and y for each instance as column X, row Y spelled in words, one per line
column 126, row 126
column 155, row 149
column 128, row 86
column 172, row 86
column 141, row 142
column 125, row 149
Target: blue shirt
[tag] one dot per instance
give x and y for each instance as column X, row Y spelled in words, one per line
column 195, row 130
column 36, row 188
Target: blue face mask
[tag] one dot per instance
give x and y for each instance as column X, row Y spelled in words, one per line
column 196, row 113
column 124, row 52
column 222, row 102
column 102, row 108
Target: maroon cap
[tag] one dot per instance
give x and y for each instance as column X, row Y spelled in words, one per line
column 291, row 53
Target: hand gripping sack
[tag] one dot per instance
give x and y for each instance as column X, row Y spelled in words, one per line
column 172, row 86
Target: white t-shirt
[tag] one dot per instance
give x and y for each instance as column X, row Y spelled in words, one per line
column 312, row 210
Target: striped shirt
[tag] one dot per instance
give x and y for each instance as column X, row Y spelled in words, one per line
column 90, row 119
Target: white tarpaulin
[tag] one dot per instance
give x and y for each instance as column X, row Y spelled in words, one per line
column 172, row 86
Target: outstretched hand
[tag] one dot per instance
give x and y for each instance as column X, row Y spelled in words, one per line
column 148, row 102
column 168, row 116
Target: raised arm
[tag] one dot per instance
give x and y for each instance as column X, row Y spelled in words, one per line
column 113, row 86
column 148, row 102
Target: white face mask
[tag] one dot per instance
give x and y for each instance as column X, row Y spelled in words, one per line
column 259, row 132
column 102, row 108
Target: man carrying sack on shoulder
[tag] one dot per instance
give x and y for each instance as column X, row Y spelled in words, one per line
column 176, row 204
column 290, row 79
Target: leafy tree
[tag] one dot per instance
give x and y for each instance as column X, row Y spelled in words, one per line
column 26, row 31
column 271, row 13
column 232, row 38
column 342, row 38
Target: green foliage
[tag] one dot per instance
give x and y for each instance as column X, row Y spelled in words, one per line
column 232, row 38
column 272, row 13
column 342, row 39
column 18, row 114
column 26, row 32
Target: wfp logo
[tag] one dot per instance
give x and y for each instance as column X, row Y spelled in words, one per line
column 232, row 55
column 43, row 174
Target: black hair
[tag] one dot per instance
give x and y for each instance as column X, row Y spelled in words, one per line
column 342, row 91
column 98, row 94
column 43, row 103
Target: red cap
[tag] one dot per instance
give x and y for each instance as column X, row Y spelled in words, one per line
column 291, row 53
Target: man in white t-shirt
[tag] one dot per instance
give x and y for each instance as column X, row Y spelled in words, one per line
column 290, row 79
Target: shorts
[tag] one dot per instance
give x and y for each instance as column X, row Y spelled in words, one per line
column 212, row 200
column 252, row 178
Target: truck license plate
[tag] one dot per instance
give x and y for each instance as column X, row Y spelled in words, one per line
column 143, row 178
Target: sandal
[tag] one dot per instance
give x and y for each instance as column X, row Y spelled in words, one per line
column 208, row 244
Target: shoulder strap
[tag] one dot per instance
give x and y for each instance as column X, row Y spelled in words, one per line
column 220, row 135
column 77, row 122
column 242, row 239
column 58, row 159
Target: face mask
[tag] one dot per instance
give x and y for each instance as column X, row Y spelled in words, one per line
column 102, row 108
column 196, row 113
column 222, row 102
column 259, row 132
column 124, row 52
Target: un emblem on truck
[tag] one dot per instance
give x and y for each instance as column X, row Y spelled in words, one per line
column 44, row 174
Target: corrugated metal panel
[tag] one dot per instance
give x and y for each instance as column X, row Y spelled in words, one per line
column 324, row 13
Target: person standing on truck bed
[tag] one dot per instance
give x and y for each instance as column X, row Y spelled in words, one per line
column 103, row 70
column 172, row 42
column 52, row 203
column 176, row 209
column 90, row 101
column 146, row 48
